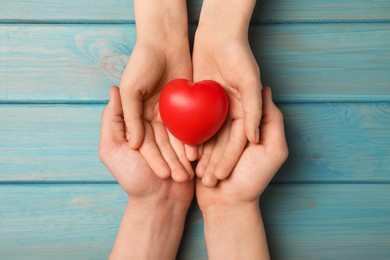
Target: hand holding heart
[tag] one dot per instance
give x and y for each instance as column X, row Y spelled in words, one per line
column 222, row 58
column 146, row 73
column 231, row 63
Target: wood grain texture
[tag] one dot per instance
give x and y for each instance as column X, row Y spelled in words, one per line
column 115, row 11
column 332, row 221
column 318, row 221
column 327, row 142
column 329, row 200
column 50, row 143
column 78, row 63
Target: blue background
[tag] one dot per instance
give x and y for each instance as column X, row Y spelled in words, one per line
column 328, row 63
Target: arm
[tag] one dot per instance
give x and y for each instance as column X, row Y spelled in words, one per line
column 149, row 232
column 222, row 53
column 235, row 232
column 153, row 222
column 165, row 20
column 230, row 18
column 233, row 223
column 161, row 54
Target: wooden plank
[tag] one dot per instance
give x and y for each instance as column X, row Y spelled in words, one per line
column 324, row 62
column 78, row 63
column 50, row 143
column 328, row 142
column 62, row 62
column 331, row 221
column 115, row 11
column 316, row 221
column 337, row 142
column 70, row 222
column 274, row 11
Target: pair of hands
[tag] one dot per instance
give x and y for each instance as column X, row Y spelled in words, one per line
column 254, row 170
column 220, row 54
column 157, row 207
column 154, row 168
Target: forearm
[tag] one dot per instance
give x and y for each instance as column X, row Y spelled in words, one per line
column 230, row 17
column 235, row 232
column 161, row 20
column 149, row 232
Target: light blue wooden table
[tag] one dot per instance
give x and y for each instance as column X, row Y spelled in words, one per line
column 327, row 61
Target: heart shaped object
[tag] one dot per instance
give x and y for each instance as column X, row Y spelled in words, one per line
column 193, row 112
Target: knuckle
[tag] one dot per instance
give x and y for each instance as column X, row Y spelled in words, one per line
column 125, row 87
column 163, row 173
column 282, row 152
column 285, row 153
column 278, row 114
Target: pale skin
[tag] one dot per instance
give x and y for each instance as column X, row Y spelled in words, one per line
column 221, row 53
column 153, row 221
column 154, row 167
column 233, row 223
column 161, row 54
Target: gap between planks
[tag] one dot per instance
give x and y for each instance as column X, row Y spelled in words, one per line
column 82, row 183
column 126, row 22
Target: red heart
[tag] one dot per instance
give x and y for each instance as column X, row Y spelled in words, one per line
column 193, row 112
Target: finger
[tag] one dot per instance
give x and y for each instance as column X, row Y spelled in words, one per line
column 152, row 155
column 191, row 152
column 178, row 147
column 220, row 145
column 232, row 152
column 112, row 126
column 132, row 109
column 200, row 151
column 178, row 173
column 272, row 127
column 252, row 105
column 204, row 160
column 209, row 180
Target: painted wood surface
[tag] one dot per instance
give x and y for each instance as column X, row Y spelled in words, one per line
column 119, row 11
column 59, row 143
column 321, row 221
column 328, row 62
column 303, row 63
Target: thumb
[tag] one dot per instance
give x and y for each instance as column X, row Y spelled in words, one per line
column 112, row 127
column 132, row 109
column 272, row 126
column 252, row 105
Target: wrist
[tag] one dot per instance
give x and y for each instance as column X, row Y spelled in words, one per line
column 149, row 231
column 161, row 21
column 228, row 210
column 229, row 18
column 159, row 209
column 235, row 232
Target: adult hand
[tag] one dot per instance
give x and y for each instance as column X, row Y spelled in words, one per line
column 222, row 53
column 160, row 55
column 233, row 204
column 154, row 219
